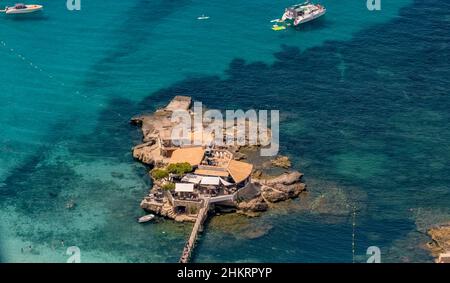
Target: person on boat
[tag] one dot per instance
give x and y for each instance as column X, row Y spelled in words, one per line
column 20, row 6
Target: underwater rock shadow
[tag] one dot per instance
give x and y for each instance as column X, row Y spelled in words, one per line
column 13, row 184
column 113, row 135
column 98, row 75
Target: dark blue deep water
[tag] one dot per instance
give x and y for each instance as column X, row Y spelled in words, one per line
column 364, row 112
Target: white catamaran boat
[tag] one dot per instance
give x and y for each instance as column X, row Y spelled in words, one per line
column 302, row 13
column 22, row 9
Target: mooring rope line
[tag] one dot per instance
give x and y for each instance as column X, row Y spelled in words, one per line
column 353, row 233
column 52, row 77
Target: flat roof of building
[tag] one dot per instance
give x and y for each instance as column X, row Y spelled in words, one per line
column 238, row 170
column 184, row 187
column 211, row 172
column 191, row 155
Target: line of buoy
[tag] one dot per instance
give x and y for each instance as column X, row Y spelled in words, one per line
column 353, row 233
column 50, row 76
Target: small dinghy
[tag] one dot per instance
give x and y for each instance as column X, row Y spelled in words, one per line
column 202, row 17
column 22, row 9
column 146, row 218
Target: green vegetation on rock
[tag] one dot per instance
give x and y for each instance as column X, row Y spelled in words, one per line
column 179, row 168
column 159, row 174
column 168, row 186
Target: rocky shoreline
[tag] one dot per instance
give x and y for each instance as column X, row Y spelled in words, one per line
column 271, row 179
column 272, row 189
column 440, row 240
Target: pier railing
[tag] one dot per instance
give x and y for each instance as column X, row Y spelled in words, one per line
column 189, row 246
column 222, row 198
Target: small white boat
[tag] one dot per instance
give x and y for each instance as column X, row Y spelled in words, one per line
column 202, row 17
column 22, row 9
column 146, row 218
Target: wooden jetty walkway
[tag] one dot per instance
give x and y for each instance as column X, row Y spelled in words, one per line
column 189, row 246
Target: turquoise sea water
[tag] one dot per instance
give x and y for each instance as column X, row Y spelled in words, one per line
column 364, row 104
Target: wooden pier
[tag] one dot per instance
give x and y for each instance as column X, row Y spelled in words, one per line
column 189, row 246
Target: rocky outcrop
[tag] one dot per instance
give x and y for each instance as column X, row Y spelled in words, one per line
column 283, row 187
column 252, row 207
column 273, row 195
column 239, row 156
column 281, row 161
column 292, row 190
column 156, row 124
column 288, row 178
column 150, row 206
column 440, row 239
column 148, row 153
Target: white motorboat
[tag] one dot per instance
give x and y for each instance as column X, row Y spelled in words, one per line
column 302, row 13
column 146, row 218
column 22, row 9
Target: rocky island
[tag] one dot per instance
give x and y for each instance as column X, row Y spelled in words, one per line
column 440, row 242
column 192, row 179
